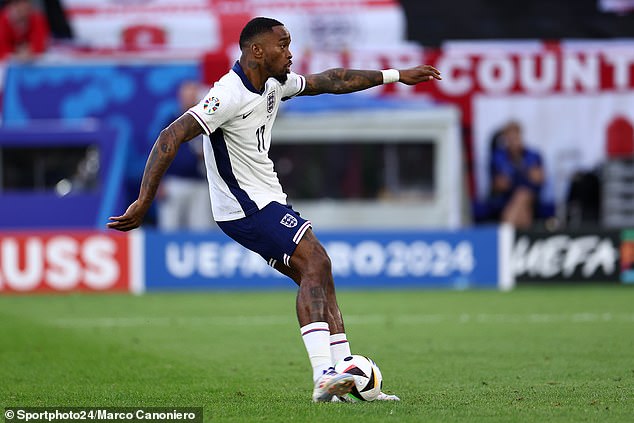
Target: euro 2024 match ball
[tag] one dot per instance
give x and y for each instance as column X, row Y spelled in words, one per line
column 367, row 377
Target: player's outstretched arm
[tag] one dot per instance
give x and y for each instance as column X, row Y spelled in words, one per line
column 163, row 152
column 342, row 81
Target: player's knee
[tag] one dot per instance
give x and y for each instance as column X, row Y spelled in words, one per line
column 317, row 261
column 322, row 260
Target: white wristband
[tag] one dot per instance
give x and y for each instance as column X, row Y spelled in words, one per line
column 390, row 75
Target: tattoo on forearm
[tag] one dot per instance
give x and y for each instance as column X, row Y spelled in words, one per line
column 156, row 165
column 341, row 81
column 163, row 152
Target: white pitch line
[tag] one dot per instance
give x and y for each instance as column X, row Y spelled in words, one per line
column 371, row 319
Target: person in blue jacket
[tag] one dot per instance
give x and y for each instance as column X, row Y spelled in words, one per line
column 517, row 176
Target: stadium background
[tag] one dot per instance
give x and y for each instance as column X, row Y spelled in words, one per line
column 96, row 100
column 412, row 159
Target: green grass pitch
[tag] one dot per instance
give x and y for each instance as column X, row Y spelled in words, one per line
column 532, row 355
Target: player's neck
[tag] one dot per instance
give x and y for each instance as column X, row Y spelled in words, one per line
column 253, row 72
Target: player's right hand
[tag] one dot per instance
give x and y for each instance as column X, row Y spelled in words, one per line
column 131, row 219
column 418, row 74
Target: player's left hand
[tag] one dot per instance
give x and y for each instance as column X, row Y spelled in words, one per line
column 131, row 219
column 422, row 73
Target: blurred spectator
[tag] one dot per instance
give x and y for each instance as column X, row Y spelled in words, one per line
column 183, row 200
column 517, row 176
column 57, row 19
column 24, row 32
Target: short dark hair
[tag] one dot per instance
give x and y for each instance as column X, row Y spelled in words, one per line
column 256, row 26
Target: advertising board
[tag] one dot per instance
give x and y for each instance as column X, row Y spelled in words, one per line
column 570, row 256
column 363, row 259
column 63, row 262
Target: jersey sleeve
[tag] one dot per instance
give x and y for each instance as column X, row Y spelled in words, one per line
column 294, row 85
column 214, row 109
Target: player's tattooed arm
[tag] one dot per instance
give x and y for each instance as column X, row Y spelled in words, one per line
column 342, row 81
column 163, row 152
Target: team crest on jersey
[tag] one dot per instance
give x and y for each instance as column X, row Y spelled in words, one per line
column 211, row 105
column 289, row 221
column 270, row 102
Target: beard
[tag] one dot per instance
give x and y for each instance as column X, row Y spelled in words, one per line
column 281, row 78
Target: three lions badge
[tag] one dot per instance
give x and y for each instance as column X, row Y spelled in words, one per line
column 289, row 221
column 270, row 102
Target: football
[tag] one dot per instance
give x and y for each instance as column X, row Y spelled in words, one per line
column 367, row 377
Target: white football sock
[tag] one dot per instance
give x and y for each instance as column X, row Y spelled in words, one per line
column 339, row 346
column 316, row 338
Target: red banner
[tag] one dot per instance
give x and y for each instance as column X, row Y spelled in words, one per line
column 551, row 70
column 63, row 262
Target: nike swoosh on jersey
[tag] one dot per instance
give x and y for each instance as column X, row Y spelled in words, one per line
column 246, row 115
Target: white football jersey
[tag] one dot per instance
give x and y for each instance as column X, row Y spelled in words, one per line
column 238, row 120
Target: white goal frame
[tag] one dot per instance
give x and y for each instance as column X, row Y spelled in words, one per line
column 446, row 208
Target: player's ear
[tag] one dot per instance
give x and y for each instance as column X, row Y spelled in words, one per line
column 256, row 50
